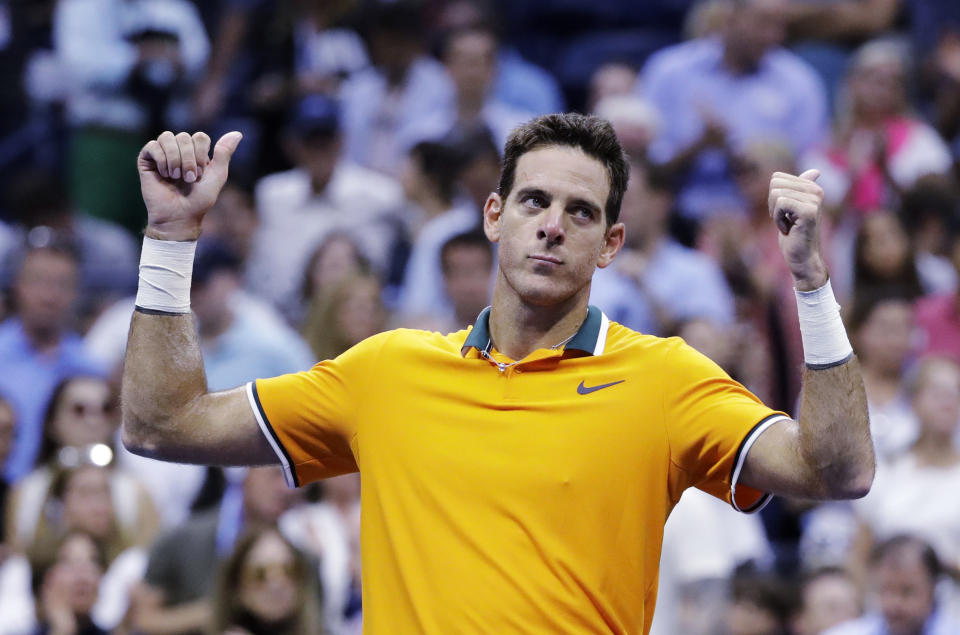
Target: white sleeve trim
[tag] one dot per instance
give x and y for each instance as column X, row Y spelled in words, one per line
column 269, row 435
column 742, row 458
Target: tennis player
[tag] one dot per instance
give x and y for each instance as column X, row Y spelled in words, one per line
column 516, row 475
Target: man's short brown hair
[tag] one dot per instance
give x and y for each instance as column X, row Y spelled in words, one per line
column 591, row 134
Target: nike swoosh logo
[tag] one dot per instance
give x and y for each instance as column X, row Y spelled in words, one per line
column 586, row 390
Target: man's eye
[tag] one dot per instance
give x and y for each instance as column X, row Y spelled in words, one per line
column 583, row 212
column 535, row 201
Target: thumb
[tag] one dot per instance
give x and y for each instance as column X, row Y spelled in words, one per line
column 226, row 146
column 810, row 175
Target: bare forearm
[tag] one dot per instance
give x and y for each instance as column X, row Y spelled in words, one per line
column 834, row 431
column 168, row 413
column 162, row 376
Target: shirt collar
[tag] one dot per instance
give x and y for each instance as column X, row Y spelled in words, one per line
column 591, row 338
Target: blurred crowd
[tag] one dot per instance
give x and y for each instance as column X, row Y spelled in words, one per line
column 372, row 137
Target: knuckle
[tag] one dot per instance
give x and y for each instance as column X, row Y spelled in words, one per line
column 183, row 136
column 165, row 135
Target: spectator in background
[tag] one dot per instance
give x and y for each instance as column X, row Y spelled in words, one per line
column 266, row 587
column 716, row 95
column 336, row 258
column 478, row 170
column 132, row 65
column 927, row 213
column 429, row 180
column 746, row 247
column 904, row 572
column 469, row 55
column 40, row 204
column 30, row 128
column 634, row 120
column 37, row 345
column 468, row 269
column 878, row 149
column 79, row 501
column 174, row 596
column 66, row 583
column 344, row 315
column 329, row 530
column 759, row 605
column 237, row 346
column 942, row 66
column 233, row 221
column 938, row 316
column 639, row 289
column 324, row 193
column 518, row 83
column 79, row 425
column 883, row 258
column 931, row 465
column 881, row 331
column 402, row 98
column 828, row 596
column 267, row 56
column 704, row 542
column 613, row 79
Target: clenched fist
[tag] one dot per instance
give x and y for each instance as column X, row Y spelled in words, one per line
column 180, row 182
column 794, row 204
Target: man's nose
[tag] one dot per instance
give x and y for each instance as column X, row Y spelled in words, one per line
column 551, row 226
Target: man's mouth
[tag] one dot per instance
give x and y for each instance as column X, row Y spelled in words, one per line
column 551, row 259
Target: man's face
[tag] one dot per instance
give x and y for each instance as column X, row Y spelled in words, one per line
column 466, row 273
column 210, row 300
column 755, row 27
column 551, row 228
column 75, row 577
column 45, row 289
column 233, row 219
column 644, row 211
column 828, row 601
column 318, row 155
column 471, row 61
column 905, row 592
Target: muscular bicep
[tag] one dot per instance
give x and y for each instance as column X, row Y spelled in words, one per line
column 217, row 428
column 774, row 463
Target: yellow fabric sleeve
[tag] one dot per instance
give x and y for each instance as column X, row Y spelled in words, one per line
column 708, row 417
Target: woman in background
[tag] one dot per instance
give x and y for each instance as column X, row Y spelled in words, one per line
column 79, row 428
column 266, row 587
column 349, row 312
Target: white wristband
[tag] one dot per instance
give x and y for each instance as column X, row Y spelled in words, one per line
column 825, row 342
column 166, row 268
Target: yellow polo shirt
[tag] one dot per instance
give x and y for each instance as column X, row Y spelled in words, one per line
column 523, row 498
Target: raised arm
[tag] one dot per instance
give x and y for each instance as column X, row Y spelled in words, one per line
column 167, row 412
column 828, row 452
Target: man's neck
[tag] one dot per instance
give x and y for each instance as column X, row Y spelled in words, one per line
column 42, row 339
column 518, row 328
column 736, row 65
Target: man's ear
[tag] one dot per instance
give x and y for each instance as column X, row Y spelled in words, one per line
column 492, row 217
column 612, row 244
